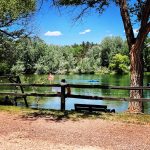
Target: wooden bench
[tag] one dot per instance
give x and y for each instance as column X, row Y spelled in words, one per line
column 90, row 107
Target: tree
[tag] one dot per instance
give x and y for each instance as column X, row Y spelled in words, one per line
column 110, row 46
column 106, row 46
column 6, row 54
column 146, row 55
column 129, row 10
column 119, row 63
column 14, row 15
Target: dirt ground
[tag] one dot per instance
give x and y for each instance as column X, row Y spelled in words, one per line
column 45, row 133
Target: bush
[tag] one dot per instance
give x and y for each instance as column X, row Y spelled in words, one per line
column 19, row 68
column 120, row 64
column 4, row 68
column 103, row 70
column 41, row 69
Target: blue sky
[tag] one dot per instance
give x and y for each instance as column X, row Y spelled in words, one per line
column 57, row 27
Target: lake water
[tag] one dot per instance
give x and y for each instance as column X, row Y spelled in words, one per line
column 54, row 103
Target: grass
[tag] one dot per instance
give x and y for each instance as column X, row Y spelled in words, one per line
column 129, row 118
column 57, row 115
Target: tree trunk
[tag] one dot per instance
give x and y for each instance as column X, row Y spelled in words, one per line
column 136, row 60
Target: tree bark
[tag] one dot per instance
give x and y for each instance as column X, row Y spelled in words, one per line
column 136, row 48
column 136, row 60
column 136, row 78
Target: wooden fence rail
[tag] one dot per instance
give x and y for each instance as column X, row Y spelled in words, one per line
column 78, row 86
column 63, row 96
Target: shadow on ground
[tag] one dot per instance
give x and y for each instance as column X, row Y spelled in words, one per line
column 57, row 116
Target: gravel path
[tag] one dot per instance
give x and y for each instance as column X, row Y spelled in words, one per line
column 17, row 133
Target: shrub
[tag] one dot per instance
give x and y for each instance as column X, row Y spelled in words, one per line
column 120, row 64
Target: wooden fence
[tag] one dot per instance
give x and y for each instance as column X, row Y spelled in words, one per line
column 63, row 96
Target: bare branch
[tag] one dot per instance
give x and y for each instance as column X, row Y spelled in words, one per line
column 81, row 13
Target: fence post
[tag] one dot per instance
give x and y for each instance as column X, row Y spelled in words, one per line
column 25, row 100
column 62, row 97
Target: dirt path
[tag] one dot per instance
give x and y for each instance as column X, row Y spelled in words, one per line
column 17, row 133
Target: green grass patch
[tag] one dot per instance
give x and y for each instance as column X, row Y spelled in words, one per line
column 16, row 110
column 57, row 115
column 128, row 118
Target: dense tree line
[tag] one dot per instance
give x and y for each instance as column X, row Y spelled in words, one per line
column 32, row 55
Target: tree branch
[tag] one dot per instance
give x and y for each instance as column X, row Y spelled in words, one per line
column 6, row 33
column 81, row 13
column 145, row 13
column 143, row 32
column 7, row 22
column 14, row 34
column 145, row 25
column 127, row 22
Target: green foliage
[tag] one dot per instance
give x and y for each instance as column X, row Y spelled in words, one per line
column 85, row 66
column 120, row 64
column 7, row 54
column 15, row 8
column 19, row 68
column 111, row 46
column 32, row 55
column 102, row 70
column 14, row 16
column 146, row 55
column 98, row 5
column 15, row 12
column 4, row 68
column 30, row 50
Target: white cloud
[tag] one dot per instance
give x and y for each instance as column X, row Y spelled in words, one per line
column 53, row 33
column 85, row 31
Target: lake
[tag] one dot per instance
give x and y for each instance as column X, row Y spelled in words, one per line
column 113, row 80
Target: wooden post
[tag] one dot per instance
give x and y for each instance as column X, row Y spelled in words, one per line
column 15, row 101
column 11, row 79
column 25, row 100
column 62, row 97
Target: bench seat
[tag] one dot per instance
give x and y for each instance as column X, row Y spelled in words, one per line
column 90, row 107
